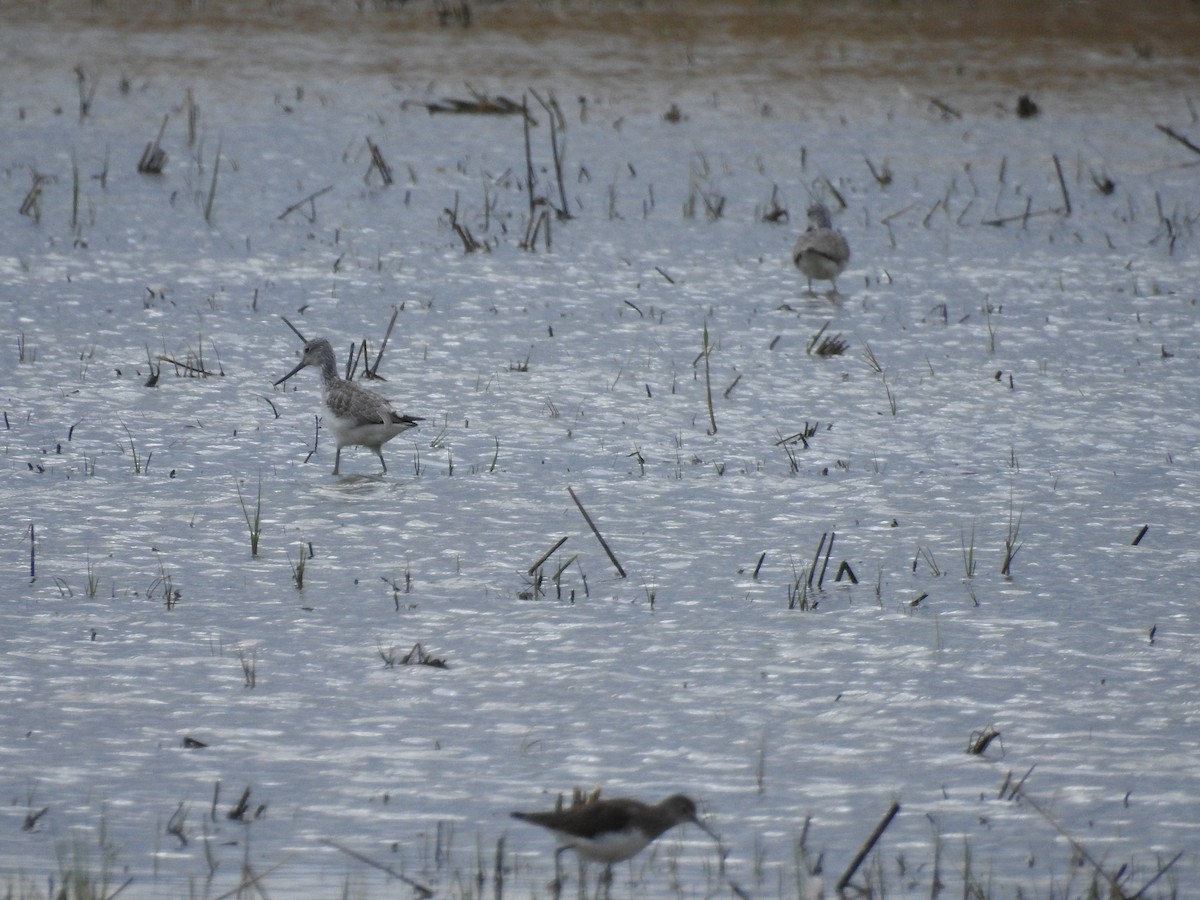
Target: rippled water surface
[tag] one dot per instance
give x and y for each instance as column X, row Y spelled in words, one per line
column 1033, row 382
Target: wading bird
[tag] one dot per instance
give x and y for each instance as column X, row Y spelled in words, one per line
column 610, row 831
column 354, row 414
column 821, row 251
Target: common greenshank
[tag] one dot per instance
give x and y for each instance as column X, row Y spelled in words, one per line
column 822, row 251
column 354, row 414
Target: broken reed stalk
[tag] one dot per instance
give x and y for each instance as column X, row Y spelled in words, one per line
column 32, row 204
column 867, row 847
column 1009, row 789
column 479, row 104
column 310, row 200
column 825, row 563
column 296, row 331
column 357, row 351
column 1062, row 183
column 154, row 157
column 981, row 739
column 1171, row 133
column 712, row 419
column 187, row 367
column 212, row 187
column 558, row 574
column 554, row 114
column 415, row 885
column 74, row 191
column 545, row 556
column 32, row 553
column 812, row 571
column 1021, row 217
column 533, row 227
column 947, row 111
column 86, row 95
column 378, row 164
column 596, row 531
column 249, row 879
column 1113, row 880
column 387, row 334
column 470, row 245
column 193, row 117
column 528, row 154
column 828, row 548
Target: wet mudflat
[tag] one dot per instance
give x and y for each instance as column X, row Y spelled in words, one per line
column 1016, row 383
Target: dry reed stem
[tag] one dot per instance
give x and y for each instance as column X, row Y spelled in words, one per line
column 545, row 556
column 311, row 201
column 421, row 890
column 596, row 531
column 866, row 848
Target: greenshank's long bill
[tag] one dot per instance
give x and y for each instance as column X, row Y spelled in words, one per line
column 355, row 415
column 822, row 251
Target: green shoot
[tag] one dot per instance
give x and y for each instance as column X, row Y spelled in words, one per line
column 254, row 525
column 968, row 551
column 1011, row 543
column 712, row 419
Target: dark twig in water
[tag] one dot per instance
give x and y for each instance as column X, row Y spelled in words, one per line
column 830, row 345
column 1022, row 217
column 416, row 886
column 1171, row 133
column 528, row 159
column 373, row 370
column 596, row 531
column 418, row 657
column 1062, row 183
column 947, row 111
column 378, row 164
column 310, row 200
column 187, row 367
column 825, row 563
column 470, row 245
column 32, row 204
column 1113, row 880
column 707, row 351
column 866, row 848
column 295, row 330
column 545, row 556
column 980, row 740
column 154, row 157
column 554, row 114
column 479, row 104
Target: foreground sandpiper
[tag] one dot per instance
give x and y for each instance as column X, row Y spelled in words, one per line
column 355, row 415
column 610, row 831
column 822, row 251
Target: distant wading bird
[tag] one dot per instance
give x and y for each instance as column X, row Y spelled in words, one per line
column 822, row 251
column 610, row 831
column 354, row 414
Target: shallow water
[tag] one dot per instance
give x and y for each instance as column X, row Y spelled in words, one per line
column 1039, row 375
